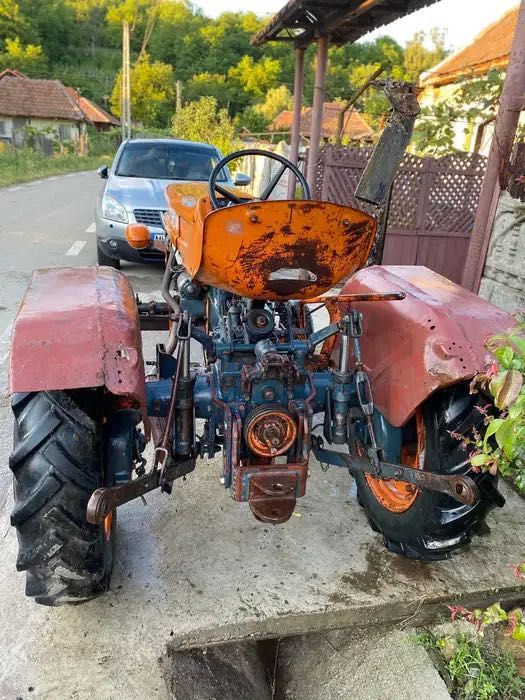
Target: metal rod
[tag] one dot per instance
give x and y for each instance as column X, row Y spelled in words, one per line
column 317, row 108
column 296, row 124
column 497, row 165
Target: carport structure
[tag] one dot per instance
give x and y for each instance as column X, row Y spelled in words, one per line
column 325, row 22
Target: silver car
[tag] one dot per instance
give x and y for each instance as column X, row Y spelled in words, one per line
column 135, row 187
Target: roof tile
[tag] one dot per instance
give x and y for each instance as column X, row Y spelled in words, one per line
column 490, row 49
column 25, row 97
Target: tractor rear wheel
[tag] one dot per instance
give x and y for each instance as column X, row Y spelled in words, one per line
column 57, row 463
column 427, row 524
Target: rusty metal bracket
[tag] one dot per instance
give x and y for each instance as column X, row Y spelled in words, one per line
column 459, row 487
column 104, row 500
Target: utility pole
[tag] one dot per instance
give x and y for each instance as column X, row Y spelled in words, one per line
column 126, row 89
column 178, row 87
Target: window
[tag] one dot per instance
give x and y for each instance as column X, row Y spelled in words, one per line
column 166, row 161
column 64, row 132
column 3, row 129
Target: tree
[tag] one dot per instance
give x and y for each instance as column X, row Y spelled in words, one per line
column 152, row 93
column 474, row 102
column 177, row 40
column 256, row 78
column 141, row 15
column 276, row 100
column 227, row 40
column 92, row 15
column 27, row 58
column 418, row 58
column 203, row 121
column 12, row 21
column 52, row 26
column 208, row 85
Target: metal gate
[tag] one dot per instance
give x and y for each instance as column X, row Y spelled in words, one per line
column 433, row 205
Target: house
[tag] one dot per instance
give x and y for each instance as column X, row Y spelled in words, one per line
column 95, row 115
column 355, row 126
column 47, row 107
column 489, row 50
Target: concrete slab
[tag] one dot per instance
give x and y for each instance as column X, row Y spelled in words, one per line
column 197, row 569
column 337, row 666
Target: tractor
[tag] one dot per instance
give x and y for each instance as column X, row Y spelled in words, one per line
column 379, row 389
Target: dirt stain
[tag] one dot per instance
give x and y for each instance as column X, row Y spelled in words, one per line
column 382, row 567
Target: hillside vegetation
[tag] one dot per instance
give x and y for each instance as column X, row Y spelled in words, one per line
column 79, row 42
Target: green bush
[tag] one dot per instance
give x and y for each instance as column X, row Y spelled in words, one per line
column 26, row 164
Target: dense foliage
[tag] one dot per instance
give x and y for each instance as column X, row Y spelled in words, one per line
column 79, row 42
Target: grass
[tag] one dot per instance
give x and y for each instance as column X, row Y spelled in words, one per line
column 475, row 670
column 25, row 165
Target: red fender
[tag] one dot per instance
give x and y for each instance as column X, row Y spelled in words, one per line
column 78, row 327
column 432, row 339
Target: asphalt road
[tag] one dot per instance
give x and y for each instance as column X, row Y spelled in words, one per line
column 46, row 223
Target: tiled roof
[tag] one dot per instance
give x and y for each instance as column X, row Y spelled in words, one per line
column 92, row 111
column 12, row 72
column 355, row 126
column 25, row 97
column 490, row 49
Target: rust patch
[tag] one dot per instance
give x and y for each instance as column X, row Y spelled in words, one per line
column 327, row 239
column 433, row 338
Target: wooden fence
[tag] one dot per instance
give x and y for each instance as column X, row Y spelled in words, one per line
column 433, row 205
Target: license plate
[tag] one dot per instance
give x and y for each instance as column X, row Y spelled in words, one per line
column 158, row 236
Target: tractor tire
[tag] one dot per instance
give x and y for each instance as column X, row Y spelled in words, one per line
column 103, row 259
column 423, row 524
column 57, row 464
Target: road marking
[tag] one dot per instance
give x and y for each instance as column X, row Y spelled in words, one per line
column 5, row 343
column 14, row 189
column 91, row 228
column 76, row 248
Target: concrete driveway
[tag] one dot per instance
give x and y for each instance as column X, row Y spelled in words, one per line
column 196, row 568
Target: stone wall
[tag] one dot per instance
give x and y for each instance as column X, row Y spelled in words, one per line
column 503, row 280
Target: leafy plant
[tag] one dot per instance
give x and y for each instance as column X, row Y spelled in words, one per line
column 202, row 121
column 475, row 672
column 502, row 447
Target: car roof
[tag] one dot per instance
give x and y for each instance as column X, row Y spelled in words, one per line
column 179, row 142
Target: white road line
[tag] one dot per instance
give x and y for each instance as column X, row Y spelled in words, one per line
column 5, row 343
column 91, row 228
column 14, row 189
column 76, row 248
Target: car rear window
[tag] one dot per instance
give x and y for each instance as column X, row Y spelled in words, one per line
column 166, row 161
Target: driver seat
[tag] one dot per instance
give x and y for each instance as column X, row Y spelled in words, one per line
column 273, row 250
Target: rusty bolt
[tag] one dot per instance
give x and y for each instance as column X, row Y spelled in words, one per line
column 268, row 393
column 254, row 218
column 345, row 222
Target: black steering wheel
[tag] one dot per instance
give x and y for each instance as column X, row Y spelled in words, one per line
column 214, row 187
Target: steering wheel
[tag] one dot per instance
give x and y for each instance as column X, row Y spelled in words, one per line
column 214, row 187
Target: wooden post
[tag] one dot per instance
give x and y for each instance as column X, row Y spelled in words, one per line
column 178, row 104
column 296, row 123
column 317, row 108
column 498, row 161
column 125, row 112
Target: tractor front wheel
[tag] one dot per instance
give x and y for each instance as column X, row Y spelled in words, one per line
column 57, row 463
column 428, row 524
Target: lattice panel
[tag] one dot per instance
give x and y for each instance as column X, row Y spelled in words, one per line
column 436, row 197
column 454, row 192
column 405, row 200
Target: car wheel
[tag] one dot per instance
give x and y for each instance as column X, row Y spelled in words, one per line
column 104, row 259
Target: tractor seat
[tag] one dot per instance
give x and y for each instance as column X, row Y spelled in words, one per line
column 273, row 250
